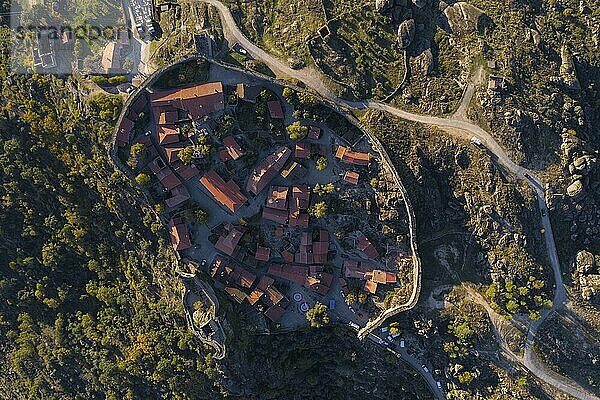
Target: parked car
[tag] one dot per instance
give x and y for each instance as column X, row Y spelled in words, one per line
column 439, row 384
column 402, row 343
column 424, row 368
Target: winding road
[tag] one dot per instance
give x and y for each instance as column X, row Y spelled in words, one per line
column 457, row 125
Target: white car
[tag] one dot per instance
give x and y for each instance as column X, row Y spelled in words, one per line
column 402, row 343
column 424, row 368
column 439, row 384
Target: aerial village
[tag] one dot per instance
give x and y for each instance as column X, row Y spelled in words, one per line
column 286, row 222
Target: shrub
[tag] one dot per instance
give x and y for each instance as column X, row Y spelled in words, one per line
column 321, row 163
column 142, row 179
column 296, row 131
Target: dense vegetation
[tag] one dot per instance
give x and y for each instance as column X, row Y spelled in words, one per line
column 89, row 304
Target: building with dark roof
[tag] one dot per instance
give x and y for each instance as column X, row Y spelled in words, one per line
column 230, row 244
column 275, row 110
column 262, row 253
column 268, row 169
column 274, row 312
column 180, row 238
column 232, row 148
column 248, row 93
column 275, row 215
column 314, row 132
column 302, row 150
column 179, row 195
column 367, row 247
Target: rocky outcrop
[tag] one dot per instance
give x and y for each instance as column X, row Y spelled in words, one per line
column 422, row 64
column 587, row 274
column 575, row 189
column 462, row 18
column 568, row 73
column 406, row 33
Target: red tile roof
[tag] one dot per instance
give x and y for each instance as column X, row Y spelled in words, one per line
column 264, row 172
column 233, row 148
column 185, row 171
column 124, row 131
column 355, row 269
column 168, row 179
column 275, row 110
column 300, row 197
column 198, row 101
column 228, row 194
column 314, row 132
column 179, row 234
column 287, row 256
column 165, row 115
column 352, row 157
column 379, row 276
column 254, row 296
column 351, row 177
column 279, row 231
column 242, row 277
column 264, row 283
column 224, row 155
column 262, row 253
column 172, row 151
column 277, row 197
column 277, row 216
column 295, row 274
column 302, row 150
column 299, row 219
column 370, row 287
column 179, row 194
column 367, row 247
column 167, row 134
column 229, row 244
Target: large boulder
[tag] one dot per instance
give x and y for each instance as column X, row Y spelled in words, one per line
column 463, row 18
column 575, row 189
column 406, row 33
column 568, row 73
column 421, row 65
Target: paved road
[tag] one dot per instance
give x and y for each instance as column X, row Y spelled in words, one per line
column 413, row 362
column 456, row 125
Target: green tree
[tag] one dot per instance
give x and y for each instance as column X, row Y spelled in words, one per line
column 321, row 163
column 465, row 378
column 199, row 216
column 186, row 155
column 136, row 154
column 117, row 80
column 319, row 210
column 318, row 315
column 106, row 106
column 142, row 179
column 324, row 189
column 296, row 131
